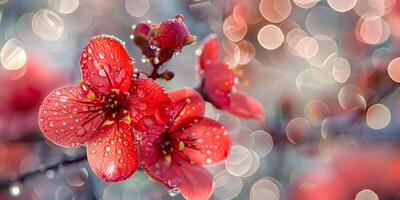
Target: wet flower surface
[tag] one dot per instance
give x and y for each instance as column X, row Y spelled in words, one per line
column 102, row 110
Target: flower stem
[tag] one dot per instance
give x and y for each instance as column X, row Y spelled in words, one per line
column 21, row 178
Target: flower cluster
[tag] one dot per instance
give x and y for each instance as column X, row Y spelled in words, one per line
column 127, row 119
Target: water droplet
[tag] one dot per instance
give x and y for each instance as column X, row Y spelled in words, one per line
column 15, row 189
column 140, row 93
column 50, row 174
column 132, row 37
column 108, row 148
column 63, row 98
column 119, row 151
column 51, row 124
column 81, row 131
column 101, row 55
column 208, row 160
column 173, row 192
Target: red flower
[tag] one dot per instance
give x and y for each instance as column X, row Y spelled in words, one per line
column 172, row 34
column 218, row 83
column 20, row 98
column 106, row 110
column 175, row 157
column 349, row 172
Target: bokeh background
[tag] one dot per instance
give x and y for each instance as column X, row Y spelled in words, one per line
column 327, row 72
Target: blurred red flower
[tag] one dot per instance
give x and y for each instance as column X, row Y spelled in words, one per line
column 20, row 98
column 175, row 157
column 106, row 109
column 218, row 82
column 349, row 172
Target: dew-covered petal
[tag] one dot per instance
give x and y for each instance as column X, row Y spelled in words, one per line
column 105, row 64
column 193, row 181
column 244, row 106
column 151, row 109
column 65, row 117
column 211, row 141
column 113, row 155
column 196, row 182
column 210, row 52
column 188, row 104
column 218, row 83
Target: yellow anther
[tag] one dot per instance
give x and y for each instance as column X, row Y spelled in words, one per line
column 127, row 119
column 125, row 111
column 108, row 122
column 181, row 145
column 168, row 159
column 91, row 96
column 116, row 91
column 114, row 115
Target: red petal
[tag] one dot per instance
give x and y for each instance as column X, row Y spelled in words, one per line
column 212, row 142
column 245, row 106
column 151, row 108
column 112, row 155
column 209, row 52
column 193, row 181
column 188, row 104
column 218, row 83
column 196, row 182
column 64, row 117
column 109, row 53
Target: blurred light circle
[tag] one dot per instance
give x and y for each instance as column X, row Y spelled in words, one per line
column 394, row 70
column 341, row 70
column 47, row 25
column 316, row 111
column 270, row 37
column 298, row 130
column 275, row 10
column 64, row 193
column 76, row 177
column 248, row 11
column 265, row 188
column 15, row 189
column 13, row 55
column 137, row 8
column 342, row 5
column 226, row 185
column 381, row 57
column 293, row 37
column 351, row 98
column 247, row 52
column 378, row 116
column 307, row 47
column 234, row 28
column 211, row 112
column 131, row 190
column 254, row 165
column 232, row 52
column 231, row 122
column 370, row 7
column 237, row 155
column 239, row 161
column 306, row 3
column 322, row 21
column 242, row 136
column 366, row 194
column 327, row 48
column 64, row 6
column 23, row 27
column 263, row 143
column 372, row 30
column 307, row 84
